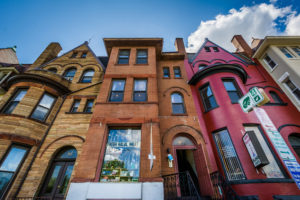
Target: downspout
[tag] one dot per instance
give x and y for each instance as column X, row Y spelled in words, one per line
column 44, row 137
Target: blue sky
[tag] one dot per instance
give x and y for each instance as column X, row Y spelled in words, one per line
column 33, row 24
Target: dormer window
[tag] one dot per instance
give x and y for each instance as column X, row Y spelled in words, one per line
column 83, row 55
column 207, row 49
column 216, row 49
column 74, row 55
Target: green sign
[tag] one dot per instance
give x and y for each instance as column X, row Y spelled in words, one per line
column 251, row 99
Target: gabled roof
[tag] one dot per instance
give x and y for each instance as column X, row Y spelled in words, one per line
column 204, row 44
column 86, row 44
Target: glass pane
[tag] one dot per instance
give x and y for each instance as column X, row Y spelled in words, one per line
column 116, row 96
column 182, row 141
column 47, row 101
column 5, row 178
column 271, row 170
column 228, row 156
column 118, row 85
column 122, row 156
column 212, row 102
column 89, row 106
column 178, row 108
column 297, row 93
column 40, row 113
column 166, row 72
column 68, row 154
column 89, row 73
column 275, row 97
column 10, row 107
column 13, row 159
column 75, row 105
column 140, row 96
column 66, row 179
column 229, row 86
column 53, row 179
column 140, row 85
column 290, row 85
column 234, row 97
column 177, row 72
column 294, row 140
column 20, row 95
column 124, row 53
column 69, row 74
column 142, row 53
column 176, row 98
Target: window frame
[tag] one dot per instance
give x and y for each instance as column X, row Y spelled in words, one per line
column 202, row 98
column 290, row 90
column 65, row 72
column 286, row 52
column 268, row 62
column 216, row 49
column 74, row 54
column 5, row 107
column 202, row 66
column 220, row 155
column 177, row 68
column 168, row 69
column 84, row 72
column 145, row 92
column 207, row 49
column 73, row 106
column 111, row 91
column 16, row 172
column 84, row 54
column 238, row 90
column 183, row 104
column 49, row 110
column 296, row 51
column 137, row 57
column 118, row 61
column 86, row 105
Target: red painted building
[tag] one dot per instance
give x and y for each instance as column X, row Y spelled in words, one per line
column 218, row 79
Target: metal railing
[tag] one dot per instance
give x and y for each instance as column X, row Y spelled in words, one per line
column 222, row 189
column 180, row 186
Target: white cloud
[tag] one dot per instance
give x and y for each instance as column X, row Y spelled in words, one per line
column 256, row 21
column 273, row 1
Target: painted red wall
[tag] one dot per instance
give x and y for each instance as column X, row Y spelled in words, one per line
column 233, row 118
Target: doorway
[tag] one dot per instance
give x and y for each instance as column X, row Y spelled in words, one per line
column 59, row 174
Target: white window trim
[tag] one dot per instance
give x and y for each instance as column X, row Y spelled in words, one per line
column 288, row 50
column 290, row 91
column 271, row 69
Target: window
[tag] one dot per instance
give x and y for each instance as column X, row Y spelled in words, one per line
column 87, row 76
column 9, row 108
column 294, row 140
column 83, row 55
column 166, row 72
column 286, row 52
column 140, row 90
column 232, row 89
column 89, row 105
column 123, row 56
column 271, row 170
column 117, row 90
column 69, row 74
column 270, row 62
column 297, row 50
column 122, row 156
column 177, row 72
column 10, row 164
column 202, row 66
column 275, row 97
column 43, row 108
column 182, row 141
column 216, row 49
column 208, row 98
column 228, row 156
column 207, row 49
column 53, row 70
column 177, row 104
column 75, row 105
column 294, row 89
column 74, row 55
column 142, row 56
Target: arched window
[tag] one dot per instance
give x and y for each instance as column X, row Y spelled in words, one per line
column 59, row 174
column 177, row 103
column 87, row 76
column 294, row 140
column 201, row 66
column 182, row 141
column 275, row 97
column 53, row 70
column 70, row 73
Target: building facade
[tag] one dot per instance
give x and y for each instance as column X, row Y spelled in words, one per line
column 218, row 80
column 280, row 56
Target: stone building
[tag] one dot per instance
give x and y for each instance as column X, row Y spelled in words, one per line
column 45, row 115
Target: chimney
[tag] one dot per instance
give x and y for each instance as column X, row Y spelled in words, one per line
column 241, row 45
column 48, row 54
column 256, row 43
column 179, row 45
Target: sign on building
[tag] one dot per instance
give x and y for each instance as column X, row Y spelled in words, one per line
column 254, row 97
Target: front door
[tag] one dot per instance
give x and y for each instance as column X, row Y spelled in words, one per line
column 57, row 180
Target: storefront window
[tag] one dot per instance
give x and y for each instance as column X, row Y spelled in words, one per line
column 272, row 169
column 122, row 156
